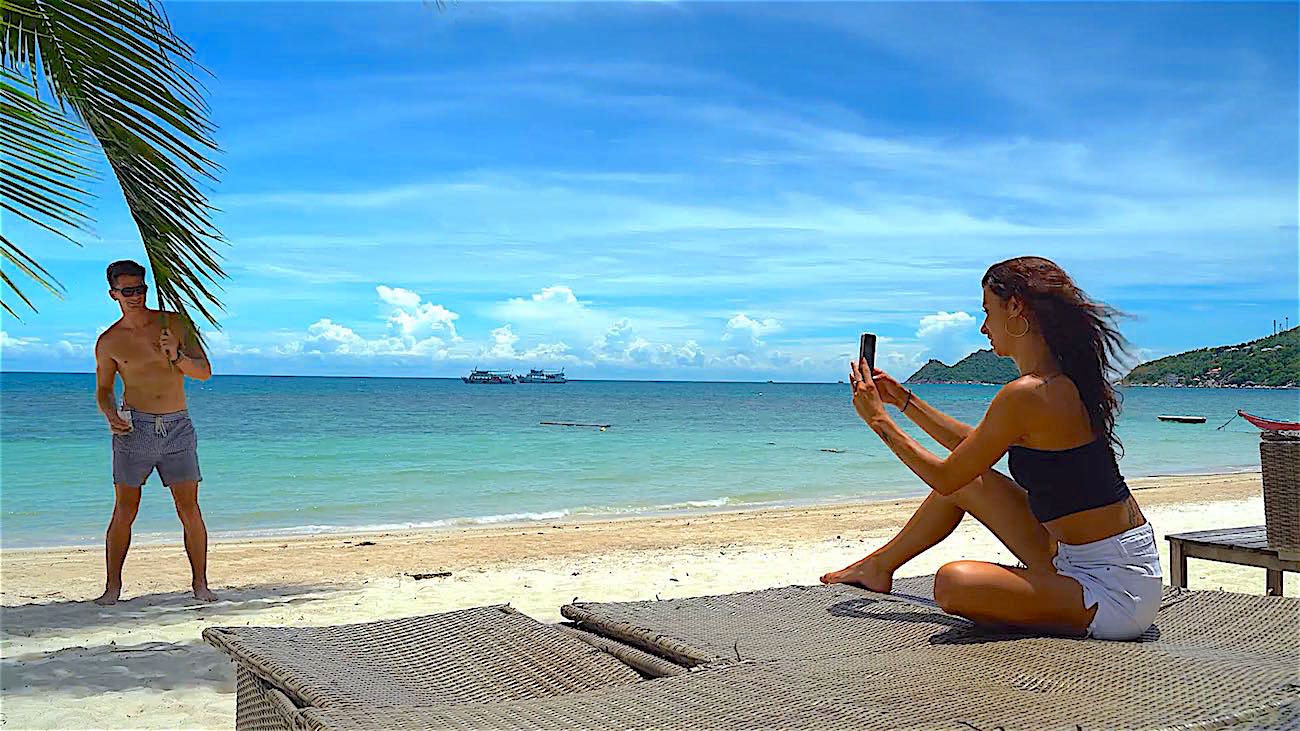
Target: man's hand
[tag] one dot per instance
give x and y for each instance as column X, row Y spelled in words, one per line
column 169, row 345
column 116, row 423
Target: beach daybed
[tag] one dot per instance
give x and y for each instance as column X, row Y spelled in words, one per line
column 484, row 654
column 797, row 657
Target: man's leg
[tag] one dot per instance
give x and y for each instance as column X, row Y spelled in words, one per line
column 118, row 540
column 186, row 496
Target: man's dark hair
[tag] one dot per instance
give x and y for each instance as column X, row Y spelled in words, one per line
column 124, row 267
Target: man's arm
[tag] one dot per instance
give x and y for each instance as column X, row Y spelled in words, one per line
column 190, row 358
column 105, row 376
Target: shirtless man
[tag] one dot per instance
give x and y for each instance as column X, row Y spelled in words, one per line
column 153, row 351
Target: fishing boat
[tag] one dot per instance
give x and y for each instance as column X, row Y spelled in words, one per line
column 1270, row 424
column 1182, row 419
column 482, row 376
column 539, row 376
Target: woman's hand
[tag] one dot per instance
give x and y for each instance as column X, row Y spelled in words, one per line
column 866, row 399
column 890, row 390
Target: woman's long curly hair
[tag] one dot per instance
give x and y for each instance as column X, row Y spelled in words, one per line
column 1080, row 332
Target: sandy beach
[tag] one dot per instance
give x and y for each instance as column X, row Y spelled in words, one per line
column 68, row 663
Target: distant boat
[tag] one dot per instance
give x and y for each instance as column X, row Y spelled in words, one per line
column 1270, row 424
column 1183, row 419
column 481, row 376
column 539, row 376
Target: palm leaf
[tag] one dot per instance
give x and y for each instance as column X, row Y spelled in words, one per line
column 118, row 69
column 43, row 156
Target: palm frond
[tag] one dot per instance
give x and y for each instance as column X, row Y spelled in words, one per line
column 117, row 67
column 44, row 161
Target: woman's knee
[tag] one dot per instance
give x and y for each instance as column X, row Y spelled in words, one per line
column 953, row 582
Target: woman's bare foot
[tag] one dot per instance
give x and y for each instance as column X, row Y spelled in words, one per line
column 109, row 597
column 204, row 594
column 867, row 573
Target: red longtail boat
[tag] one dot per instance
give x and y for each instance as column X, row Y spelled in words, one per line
column 1270, row 424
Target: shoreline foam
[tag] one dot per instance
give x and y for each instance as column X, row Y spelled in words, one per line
column 699, row 508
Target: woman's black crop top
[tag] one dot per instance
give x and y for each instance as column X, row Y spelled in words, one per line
column 1065, row 481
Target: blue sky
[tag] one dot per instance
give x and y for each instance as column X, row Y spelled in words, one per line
column 714, row 191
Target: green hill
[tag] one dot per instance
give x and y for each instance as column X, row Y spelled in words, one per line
column 1270, row 361
column 982, row 366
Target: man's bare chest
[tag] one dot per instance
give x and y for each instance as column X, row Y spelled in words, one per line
column 138, row 350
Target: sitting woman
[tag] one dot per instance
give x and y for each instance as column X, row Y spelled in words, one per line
column 1090, row 560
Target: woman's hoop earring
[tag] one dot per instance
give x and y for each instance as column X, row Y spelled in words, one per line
column 1022, row 333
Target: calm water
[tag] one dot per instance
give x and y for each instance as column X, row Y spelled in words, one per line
column 294, row 455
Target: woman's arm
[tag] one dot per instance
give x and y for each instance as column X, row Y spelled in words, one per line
column 972, row 457
column 946, row 430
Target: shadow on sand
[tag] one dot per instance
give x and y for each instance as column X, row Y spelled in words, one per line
column 87, row 671
column 113, row 667
column 34, row 620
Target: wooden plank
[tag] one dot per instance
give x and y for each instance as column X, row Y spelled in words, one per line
column 1177, row 564
column 1264, row 551
column 1222, row 534
column 1273, row 583
column 1238, row 556
column 1252, row 538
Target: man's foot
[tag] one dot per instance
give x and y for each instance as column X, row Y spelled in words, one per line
column 204, row 594
column 865, row 573
column 109, row 597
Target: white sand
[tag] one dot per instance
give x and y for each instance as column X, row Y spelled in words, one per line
column 68, row 663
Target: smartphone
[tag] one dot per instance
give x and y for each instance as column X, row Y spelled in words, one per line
column 124, row 414
column 867, row 350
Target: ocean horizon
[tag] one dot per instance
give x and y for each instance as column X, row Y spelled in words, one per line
column 302, row 455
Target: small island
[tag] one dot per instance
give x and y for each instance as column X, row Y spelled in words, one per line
column 1272, row 362
column 982, row 366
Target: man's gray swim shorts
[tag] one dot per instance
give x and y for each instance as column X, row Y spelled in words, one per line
column 163, row 441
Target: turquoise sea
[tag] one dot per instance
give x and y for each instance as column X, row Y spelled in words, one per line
column 305, row 455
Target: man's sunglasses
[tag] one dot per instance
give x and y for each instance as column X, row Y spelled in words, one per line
column 132, row 291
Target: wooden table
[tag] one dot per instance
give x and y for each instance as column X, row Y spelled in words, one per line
column 1246, row 546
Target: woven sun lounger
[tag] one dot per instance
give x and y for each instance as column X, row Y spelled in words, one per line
column 890, row 691
column 810, row 657
column 1212, row 659
column 485, row 654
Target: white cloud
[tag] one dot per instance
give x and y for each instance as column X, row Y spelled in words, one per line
column 556, row 304
column 415, row 320
column 942, row 322
column 502, row 344
column 398, row 297
column 414, row 328
column 328, row 337
column 501, row 347
column 744, row 331
column 64, row 353
column 948, row 336
column 9, row 342
column 621, row 345
column 218, row 343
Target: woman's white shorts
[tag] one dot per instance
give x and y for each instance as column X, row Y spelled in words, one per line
column 1120, row 576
